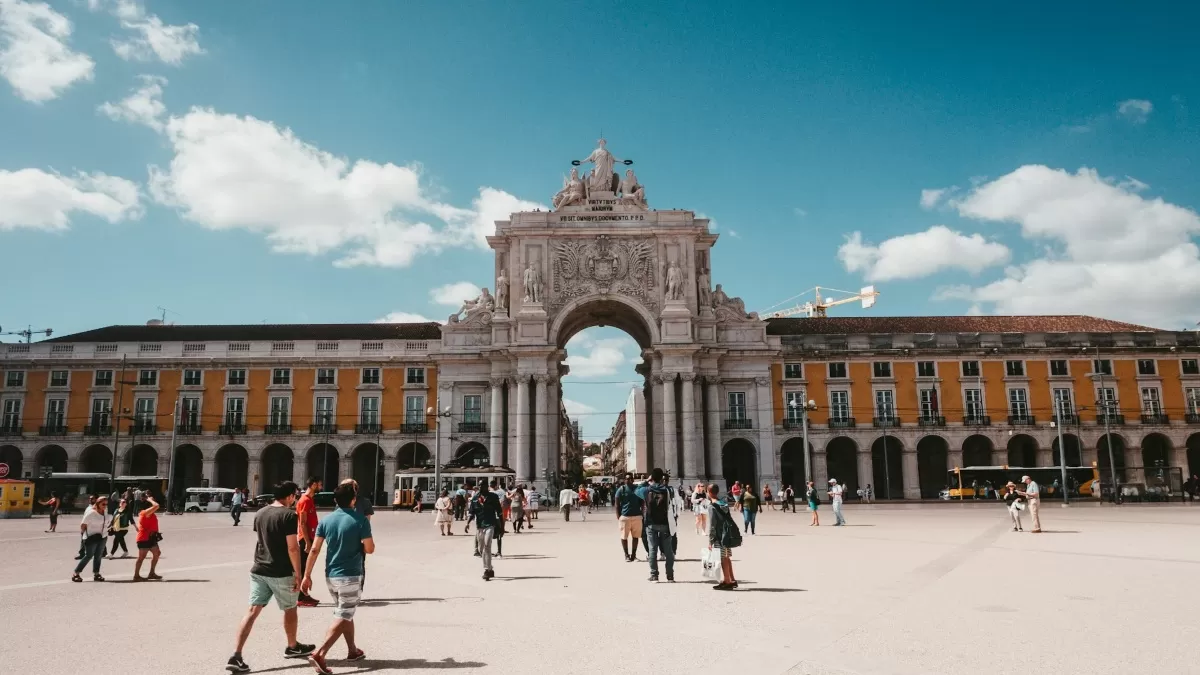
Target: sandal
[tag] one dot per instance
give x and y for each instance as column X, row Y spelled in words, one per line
column 155, row 577
column 97, row 577
column 76, row 578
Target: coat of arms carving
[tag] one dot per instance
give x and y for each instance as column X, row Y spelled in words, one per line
column 604, row 265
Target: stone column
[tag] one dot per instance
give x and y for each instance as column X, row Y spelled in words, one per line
column 820, row 468
column 954, row 458
column 693, row 454
column 541, row 440
column 713, row 441
column 210, row 472
column 670, row 449
column 496, row 425
column 866, row 472
column 768, row 467
column 521, row 461
column 912, row 480
column 654, row 432
column 445, row 425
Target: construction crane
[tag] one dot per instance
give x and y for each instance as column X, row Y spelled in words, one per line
column 818, row 306
column 29, row 332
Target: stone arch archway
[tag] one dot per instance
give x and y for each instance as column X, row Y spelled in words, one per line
column 51, row 457
column 233, row 466
column 737, row 462
column 189, row 468
column 278, row 466
column 1074, row 451
column 1156, row 452
column 14, row 458
column 604, row 310
column 322, row 462
column 413, row 455
column 887, row 456
column 1022, row 451
column 471, row 454
column 933, row 453
column 841, row 462
column 366, row 467
column 791, row 465
column 96, row 458
column 1193, row 455
column 143, row 460
column 1118, row 456
column 977, row 451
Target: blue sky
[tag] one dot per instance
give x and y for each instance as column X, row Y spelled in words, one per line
column 336, row 162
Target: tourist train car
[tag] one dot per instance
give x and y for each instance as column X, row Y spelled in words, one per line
column 418, row 482
column 987, row 482
column 155, row 484
column 73, row 489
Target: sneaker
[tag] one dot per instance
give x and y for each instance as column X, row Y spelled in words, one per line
column 153, row 577
column 299, row 651
column 97, row 577
column 235, row 664
column 478, row 554
column 671, row 580
column 318, row 664
column 307, row 602
column 654, row 578
column 356, row 655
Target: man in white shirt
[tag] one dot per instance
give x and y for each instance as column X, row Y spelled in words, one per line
column 835, row 500
column 93, row 527
column 566, row 498
column 1033, row 496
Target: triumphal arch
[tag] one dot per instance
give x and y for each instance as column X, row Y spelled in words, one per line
column 602, row 256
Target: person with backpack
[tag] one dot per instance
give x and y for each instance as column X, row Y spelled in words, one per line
column 723, row 534
column 629, row 516
column 814, row 500
column 659, row 507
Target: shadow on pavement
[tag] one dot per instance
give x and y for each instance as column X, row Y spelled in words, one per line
column 530, row 557
column 379, row 602
column 370, row 665
column 161, row 581
column 774, row 590
column 522, row 579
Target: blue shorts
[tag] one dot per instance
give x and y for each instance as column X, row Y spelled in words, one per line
column 263, row 588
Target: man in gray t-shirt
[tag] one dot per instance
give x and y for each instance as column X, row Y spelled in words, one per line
column 1033, row 495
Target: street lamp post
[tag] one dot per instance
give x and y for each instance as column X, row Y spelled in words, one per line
column 810, row 405
column 437, row 445
column 171, row 462
column 119, row 414
column 1062, row 450
column 1106, row 404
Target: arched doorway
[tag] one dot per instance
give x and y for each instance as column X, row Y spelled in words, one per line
column 366, row 467
column 791, row 465
column 189, row 469
column 1156, row 452
column 1022, row 451
column 932, row 458
column 841, row 462
column 1193, row 455
column 51, row 458
column 143, row 460
column 888, row 459
column 737, row 462
column 233, row 467
column 977, row 451
column 96, row 459
column 1074, row 451
column 278, row 464
column 471, row 454
column 413, row 455
column 11, row 455
column 322, row 462
column 1118, row 457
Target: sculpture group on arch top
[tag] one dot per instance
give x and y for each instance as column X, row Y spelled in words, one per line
column 604, row 263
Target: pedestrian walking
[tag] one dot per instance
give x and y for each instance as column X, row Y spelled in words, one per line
column 1033, row 496
column 566, row 499
column 749, row 509
column 148, row 536
column 533, row 504
column 306, row 531
column 349, row 537
column 54, row 504
column 460, row 502
column 235, row 508
column 276, row 573
column 444, row 518
column 629, row 517
column 789, row 497
column 1015, row 504
column 814, row 501
column 516, row 509
column 92, row 528
column 471, row 492
column 486, row 510
column 836, row 492
column 659, row 504
column 584, row 501
column 119, row 527
column 700, row 508
column 113, row 499
column 724, row 535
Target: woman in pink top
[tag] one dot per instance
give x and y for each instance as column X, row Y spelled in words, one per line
column 147, row 540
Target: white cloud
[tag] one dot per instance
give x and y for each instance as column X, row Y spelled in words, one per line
column 598, row 358
column 35, row 199
column 34, row 54
column 231, row 172
column 143, row 106
column 932, row 197
column 492, row 205
column 151, row 38
column 453, row 295
column 1135, row 110
column 402, row 317
column 800, row 213
column 577, row 409
column 1112, row 252
column 912, row 256
column 734, row 234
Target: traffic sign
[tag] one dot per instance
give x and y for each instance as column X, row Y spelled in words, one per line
column 3, row 470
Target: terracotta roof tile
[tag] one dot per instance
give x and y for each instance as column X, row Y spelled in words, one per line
column 949, row 324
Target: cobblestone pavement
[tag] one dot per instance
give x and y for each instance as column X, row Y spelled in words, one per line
column 903, row 589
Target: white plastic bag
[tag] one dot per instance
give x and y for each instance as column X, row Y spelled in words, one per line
column 710, row 561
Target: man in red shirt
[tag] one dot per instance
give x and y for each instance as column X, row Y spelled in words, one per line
column 306, row 517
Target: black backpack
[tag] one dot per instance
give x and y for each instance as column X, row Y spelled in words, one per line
column 658, row 507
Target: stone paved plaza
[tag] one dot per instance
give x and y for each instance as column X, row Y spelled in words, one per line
column 904, row 589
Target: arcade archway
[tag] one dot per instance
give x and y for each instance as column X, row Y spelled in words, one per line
column 51, row 458
column 1156, row 452
column 737, row 463
column 366, row 467
column 143, row 460
column 932, row 457
column 1074, row 451
column 471, row 454
column 412, row 455
column 278, row 465
column 1022, row 451
column 841, row 462
column 1193, row 455
column 977, row 451
column 12, row 456
column 322, row 462
column 791, row 465
column 233, row 467
column 888, row 460
column 189, row 468
column 1118, row 456
column 96, row 459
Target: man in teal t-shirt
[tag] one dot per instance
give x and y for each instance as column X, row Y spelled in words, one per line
column 349, row 536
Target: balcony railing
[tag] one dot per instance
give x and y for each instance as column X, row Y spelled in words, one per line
column 231, row 428
column 931, row 421
column 414, row 428
column 144, row 428
column 737, row 423
column 886, row 422
column 367, row 428
column 1192, row 418
column 1021, row 420
column 1069, row 418
column 53, row 430
column 277, row 429
column 977, row 420
column 472, row 427
column 98, row 430
column 842, row 423
column 322, row 429
column 1155, row 418
column 189, row 429
column 1114, row 419
column 793, row 423
column 11, row 430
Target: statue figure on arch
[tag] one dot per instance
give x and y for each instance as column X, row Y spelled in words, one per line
column 485, row 302
column 631, row 191
column 602, row 178
column 572, row 192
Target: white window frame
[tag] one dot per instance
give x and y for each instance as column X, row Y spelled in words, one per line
column 799, row 374
column 324, row 416
column 1098, row 370
column 96, row 378
column 414, row 375
column 369, row 414
column 374, row 373
column 235, row 411
column 189, row 411
column 839, row 410
column 932, row 363
column 1191, row 396
column 11, row 375
column 885, row 403
column 845, row 368
column 199, row 377
column 962, row 369
column 1153, row 367
column 929, row 408
column 279, row 411
column 144, row 409
column 281, row 377
column 332, row 376
column 735, row 410
column 66, row 381
column 238, row 374
column 10, row 413
column 1018, row 405
column 1065, row 362
column 1024, row 371
column 147, row 377
column 1067, row 396
column 974, row 408
column 56, row 418
column 1183, row 370
column 794, row 413
column 887, row 366
column 414, row 414
column 473, row 414
column 102, row 417
column 1151, row 401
